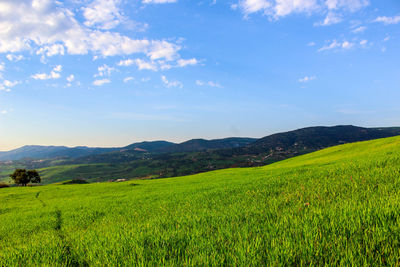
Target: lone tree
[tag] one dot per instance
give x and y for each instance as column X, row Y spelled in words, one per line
column 24, row 177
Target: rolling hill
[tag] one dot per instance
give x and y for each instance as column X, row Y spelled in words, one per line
column 160, row 159
column 337, row 206
column 202, row 145
column 45, row 152
column 315, row 138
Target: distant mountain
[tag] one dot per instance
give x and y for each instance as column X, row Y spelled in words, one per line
column 150, row 146
column 315, row 138
column 44, row 152
column 47, row 152
column 147, row 150
column 202, row 144
column 163, row 159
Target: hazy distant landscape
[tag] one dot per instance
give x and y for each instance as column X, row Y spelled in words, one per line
column 160, row 159
column 346, row 193
column 199, row 133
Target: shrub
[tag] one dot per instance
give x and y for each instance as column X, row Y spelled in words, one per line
column 76, row 181
column 3, row 185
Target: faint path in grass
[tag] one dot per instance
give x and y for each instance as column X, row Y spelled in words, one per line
column 68, row 257
column 41, row 201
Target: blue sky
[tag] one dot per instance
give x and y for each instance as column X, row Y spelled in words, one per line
column 113, row 72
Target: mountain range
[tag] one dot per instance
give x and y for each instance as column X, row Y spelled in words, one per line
column 157, row 159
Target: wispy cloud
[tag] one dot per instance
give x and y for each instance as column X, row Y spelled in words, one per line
column 54, row 74
column 360, row 29
column 167, row 83
column 331, row 18
column 187, row 62
column 103, row 14
column 128, row 79
column 156, row 65
column 281, row 8
column 388, row 20
column 12, row 57
column 53, row 29
column 101, row 82
column 104, row 71
column 6, row 85
column 209, row 83
column 335, row 44
column 158, row 1
column 307, row 79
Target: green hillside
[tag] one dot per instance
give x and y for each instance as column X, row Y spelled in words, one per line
column 336, row 206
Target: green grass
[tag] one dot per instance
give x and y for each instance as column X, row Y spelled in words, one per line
column 336, row 206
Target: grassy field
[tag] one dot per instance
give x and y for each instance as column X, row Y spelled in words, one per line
column 171, row 165
column 336, row 206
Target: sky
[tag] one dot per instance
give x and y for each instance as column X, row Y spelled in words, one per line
column 114, row 72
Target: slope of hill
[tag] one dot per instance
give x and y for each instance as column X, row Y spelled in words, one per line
column 202, row 144
column 315, row 138
column 146, row 159
column 337, row 206
column 149, row 146
column 43, row 152
column 47, row 152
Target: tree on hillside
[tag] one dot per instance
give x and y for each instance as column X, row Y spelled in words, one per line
column 34, row 176
column 24, row 177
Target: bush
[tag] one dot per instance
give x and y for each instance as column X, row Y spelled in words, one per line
column 3, row 185
column 76, row 181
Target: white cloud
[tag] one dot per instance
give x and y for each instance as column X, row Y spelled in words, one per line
column 104, row 71
column 387, row 38
column 252, row 6
column 163, row 49
column 199, row 83
column 10, row 84
column 54, row 74
column 2, row 67
column 311, row 44
column 280, row 8
column 140, row 63
column 51, row 50
column 214, row 84
column 187, row 62
column 351, row 5
column 58, row 68
column 103, row 14
column 126, row 63
column 6, row 85
column 12, row 57
column 3, row 112
column 307, row 79
column 145, row 65
column 156, row 65
column 70, row 78
column 331, row 18
column 363, row 42
column 209, row 83
column 285, row 7
column 170, row 84
column 48, row 27
column 128, row 79
column 335, row 44
column 158, row 1
column 332, row 45
column 347, row 45
column 388, row 20
column 360, row 29
column 101, row 82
